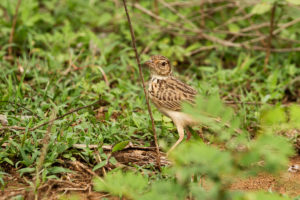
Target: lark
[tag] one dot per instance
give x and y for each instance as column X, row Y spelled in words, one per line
column 168, row 93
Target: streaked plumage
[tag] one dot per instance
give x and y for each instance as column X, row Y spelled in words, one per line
column 167, row 93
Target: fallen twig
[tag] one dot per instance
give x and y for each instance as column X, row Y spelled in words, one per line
column 50, row 121
column 254, row 27
column 148, row 12
column 275, row 32
column 227, row 43
column 143, row 83
column 205, row 48
column 110, row 147
column 73, row 189
column 17, row 104
column 235, row 19
column 62, row 116
column 246, row 102
column 177, row 13
column 196, row 2
column 12, row 128
column 79, row 165
column 284, row 50
column 99, row 160
column 195, row 28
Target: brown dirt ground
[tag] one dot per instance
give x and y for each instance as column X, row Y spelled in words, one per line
column 286, row 183
column 78, row 185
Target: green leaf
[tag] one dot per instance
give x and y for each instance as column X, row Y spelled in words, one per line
column 272, row 116
column 26, row 170
column 272, row 149
column 261, row 8
column 234, row 28
column 165, row 190
column 294, row 113
column 196, row 157
column 294, row 12
column 113, row 160
column 157, row 116
column 57, row 170
column 211, row 112
column 1, row 177
column 8, row 161
column 128, row 184
column 101, row 164
column 120, row 146
column 137, row 119
column 104, row 19
column 262, row 195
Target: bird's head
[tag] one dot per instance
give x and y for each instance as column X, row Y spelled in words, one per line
column 159, row 66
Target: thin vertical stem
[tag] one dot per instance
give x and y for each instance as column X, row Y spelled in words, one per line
column 143, row 83
column 42, row 157
column 156, row 10
column 202, row 13
column 12, row 32
column 268, row 51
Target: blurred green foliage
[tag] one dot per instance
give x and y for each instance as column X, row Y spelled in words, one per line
column 200, row 171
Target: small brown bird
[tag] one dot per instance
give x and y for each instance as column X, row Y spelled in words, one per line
column 167, row 93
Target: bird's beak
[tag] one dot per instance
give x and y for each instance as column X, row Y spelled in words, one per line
column 149, row 63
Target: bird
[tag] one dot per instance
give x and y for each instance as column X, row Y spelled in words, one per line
column 168, row 93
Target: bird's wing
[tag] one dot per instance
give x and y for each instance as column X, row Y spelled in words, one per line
column 170, row 94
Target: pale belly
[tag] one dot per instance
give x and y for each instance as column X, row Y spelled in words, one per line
column 179, row 117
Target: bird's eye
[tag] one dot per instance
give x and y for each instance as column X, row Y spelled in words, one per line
column 163, row 63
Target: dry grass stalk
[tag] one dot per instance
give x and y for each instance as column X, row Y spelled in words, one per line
column 41, row 160
column 12, row 32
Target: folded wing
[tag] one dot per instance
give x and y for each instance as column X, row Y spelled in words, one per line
column 171, row 93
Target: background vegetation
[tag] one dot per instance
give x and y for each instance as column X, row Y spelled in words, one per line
column 58, row 55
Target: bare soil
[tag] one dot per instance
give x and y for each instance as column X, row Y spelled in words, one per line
column 286, row 183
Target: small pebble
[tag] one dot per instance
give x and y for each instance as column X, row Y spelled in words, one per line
column 3, row 120
column 294, row 168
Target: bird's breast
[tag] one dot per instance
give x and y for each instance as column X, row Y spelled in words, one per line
column 155, row 86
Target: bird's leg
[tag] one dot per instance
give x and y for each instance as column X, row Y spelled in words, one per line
column 180, row 130
column 200, row 133
column 188, row 133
